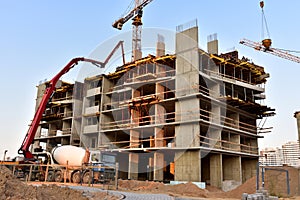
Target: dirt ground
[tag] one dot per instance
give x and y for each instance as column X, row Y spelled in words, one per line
column 14, row 189
column 275, row 182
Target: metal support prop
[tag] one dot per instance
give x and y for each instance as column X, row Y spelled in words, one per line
column 116, row 176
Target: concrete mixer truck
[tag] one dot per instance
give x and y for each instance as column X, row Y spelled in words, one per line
column 74, row 164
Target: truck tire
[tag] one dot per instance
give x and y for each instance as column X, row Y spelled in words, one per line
column 76, row 177
column 51, row 176
column 86, row 177
column 58, row 176
column 41, row 176
column 32, row 178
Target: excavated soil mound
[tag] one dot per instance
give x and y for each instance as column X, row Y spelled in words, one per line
column 14, row 189
column 188, row 189
column 275, row 184
column 140, row 185
column 248, row 187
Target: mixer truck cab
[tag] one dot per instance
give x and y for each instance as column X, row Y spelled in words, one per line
column 103, row 164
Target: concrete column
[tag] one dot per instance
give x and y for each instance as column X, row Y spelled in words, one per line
column 212, row 44
column 160, row 45
column 213, row 133
column 188, row 166
column 158, row 166
column 160, row 112
column 134, row 139
column 133, row 167
column 216, row 170
column 187, row 163
column 133, row 163
column 232, row 168
column 234, row 120
column 254, row 146
column 104, row 118
column 215, row 137
column 159, row 134
column 137, row 54
column 151, row 168
column 248, row 168
column 135, row 115
column 123, row 165
column 232, row 172
column 236, row 140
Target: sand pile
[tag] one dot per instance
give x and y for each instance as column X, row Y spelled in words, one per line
column 188, row 189
column 275, row 183
column 14, row 189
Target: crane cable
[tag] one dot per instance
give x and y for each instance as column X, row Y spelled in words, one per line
column 264, row 24
column 130, row 6
column 290, row 51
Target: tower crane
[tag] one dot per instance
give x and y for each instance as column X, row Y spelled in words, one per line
column 267, row 49
column 136, row 15
column 265, row 45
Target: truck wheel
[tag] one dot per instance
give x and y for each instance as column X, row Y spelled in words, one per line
column 51, row 176
column 76, row 177
column 32, row 178
column 58, row 176
column 41, row 176
column 86, row 177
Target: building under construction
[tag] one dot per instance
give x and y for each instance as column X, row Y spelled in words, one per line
column 189, row 116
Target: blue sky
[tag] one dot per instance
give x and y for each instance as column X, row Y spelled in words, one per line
column 38, row 38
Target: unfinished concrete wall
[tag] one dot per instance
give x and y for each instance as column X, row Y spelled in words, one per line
column 105, row 117
column 133, row 166
column 187, row 163
column 248, row 168
column 188, row 166
column 187, row 76
column 212, row 44
column 216, row 170
column 232, row 172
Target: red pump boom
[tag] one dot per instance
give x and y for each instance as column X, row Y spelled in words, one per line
column 50, row 88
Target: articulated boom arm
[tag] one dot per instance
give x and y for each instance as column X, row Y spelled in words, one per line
column 120, row 44
column 50, row 88
column 260, row 47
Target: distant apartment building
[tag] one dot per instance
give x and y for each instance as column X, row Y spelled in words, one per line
column 291, row 153
column 271, row 156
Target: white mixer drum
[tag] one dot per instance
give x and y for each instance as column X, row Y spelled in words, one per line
column 72, row 155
